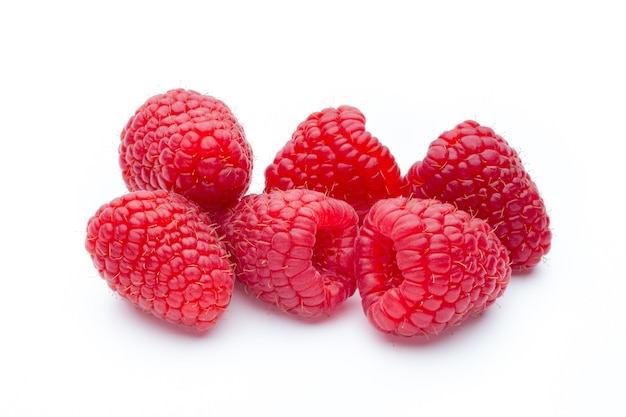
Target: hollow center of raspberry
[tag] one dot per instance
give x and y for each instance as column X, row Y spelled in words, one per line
column 328, row 253
column 382, row 259
column 324, row 252
column 390, row 266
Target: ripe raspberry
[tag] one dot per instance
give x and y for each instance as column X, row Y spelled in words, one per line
column 294, row 249
column 189, row 143
column 158, row 251
column 477, row 170
column 423, row 266
column 331, row 152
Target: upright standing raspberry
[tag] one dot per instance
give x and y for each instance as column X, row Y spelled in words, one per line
column 475, row 169
column 159, row 252
column 423, row 266
column 332, row 152
column 294, row 249
column 189, row 143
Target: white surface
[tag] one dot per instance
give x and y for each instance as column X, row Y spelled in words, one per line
column 549, row 76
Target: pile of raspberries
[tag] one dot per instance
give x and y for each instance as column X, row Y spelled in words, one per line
column 425, row 250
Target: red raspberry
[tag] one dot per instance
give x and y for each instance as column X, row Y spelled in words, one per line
column 158, row 251
column 423, row 266
column 477, row 170
column 331, row 152
column 189, row 143
column 294, row 249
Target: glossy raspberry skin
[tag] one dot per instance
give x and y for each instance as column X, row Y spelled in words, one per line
column 294, row 249
column 477, row 170
column 333, row 153
column 423, row 266
column 161, row 253
column 190, row 143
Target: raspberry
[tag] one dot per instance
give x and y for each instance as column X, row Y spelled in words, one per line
column 475, row 169
column 423, row 266
column 294, row 249
column 161, row 253
column 189, row 143
column 331, row 152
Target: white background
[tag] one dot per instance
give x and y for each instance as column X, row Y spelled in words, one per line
column 547, row 75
